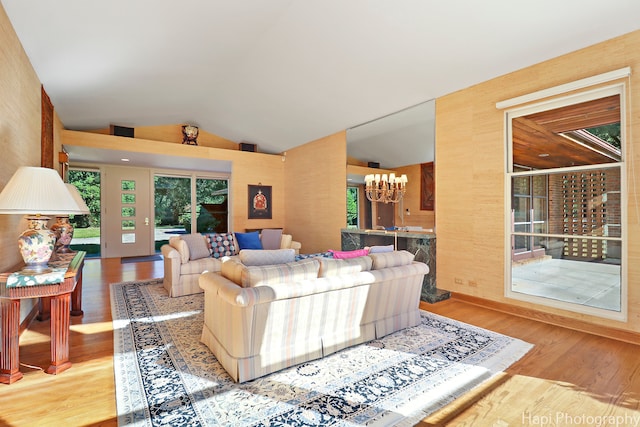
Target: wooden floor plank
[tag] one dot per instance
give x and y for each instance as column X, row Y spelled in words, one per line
column 567, row 373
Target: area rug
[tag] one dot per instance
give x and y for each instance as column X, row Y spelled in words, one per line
column 165, row 376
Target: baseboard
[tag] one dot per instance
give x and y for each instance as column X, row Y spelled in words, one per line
column 553, row 319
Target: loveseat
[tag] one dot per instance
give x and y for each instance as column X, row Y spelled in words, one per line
column 189, row 255
column 259, row 319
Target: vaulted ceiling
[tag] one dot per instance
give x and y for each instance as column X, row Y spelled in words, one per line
column 280, row 73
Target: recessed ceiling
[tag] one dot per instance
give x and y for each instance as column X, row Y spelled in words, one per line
column 281, row 73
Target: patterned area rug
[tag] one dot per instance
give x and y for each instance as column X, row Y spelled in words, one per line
column 165, row 376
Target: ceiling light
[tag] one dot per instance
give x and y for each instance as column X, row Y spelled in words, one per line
column 382, row 189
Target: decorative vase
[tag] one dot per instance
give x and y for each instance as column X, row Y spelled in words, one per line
column 63, row 230
column 36, row 245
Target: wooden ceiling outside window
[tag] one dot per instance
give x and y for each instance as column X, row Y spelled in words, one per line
column 538, row 141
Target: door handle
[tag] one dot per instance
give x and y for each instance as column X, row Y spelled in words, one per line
column 146, row 221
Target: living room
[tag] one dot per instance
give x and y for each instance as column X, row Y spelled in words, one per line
column 470, row 176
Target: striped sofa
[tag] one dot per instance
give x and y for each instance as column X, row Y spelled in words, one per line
column 187, row 256
column 263, row 318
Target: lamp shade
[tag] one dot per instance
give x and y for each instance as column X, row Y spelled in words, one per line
column 83, row 208
column 36, row 190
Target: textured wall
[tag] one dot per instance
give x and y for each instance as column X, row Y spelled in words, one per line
column 470, row 172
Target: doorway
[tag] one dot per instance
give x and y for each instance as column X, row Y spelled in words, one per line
column 385, row 214
column 127, row 224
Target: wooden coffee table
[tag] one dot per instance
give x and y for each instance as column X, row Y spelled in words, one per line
column 59, row 295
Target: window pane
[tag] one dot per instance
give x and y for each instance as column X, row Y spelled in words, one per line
column 521, row 185
column 128, row 225
column 585, row 203
column 212, row 205
column 352, row 207
column 128, row 198
column 128, row 238
column 87, row 227
column 540, row 186
column 521, row 209
column 128, row 185
column 539, row 209
column 569, row 136
column 172, row 201
column 128, row 212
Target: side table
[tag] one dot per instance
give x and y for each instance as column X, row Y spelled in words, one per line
column 60, row 298
column 44, row 303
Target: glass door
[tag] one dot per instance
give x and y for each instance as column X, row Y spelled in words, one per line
column 172, row 205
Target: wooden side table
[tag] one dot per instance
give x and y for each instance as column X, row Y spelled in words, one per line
column 60, row 298
column 44, row 303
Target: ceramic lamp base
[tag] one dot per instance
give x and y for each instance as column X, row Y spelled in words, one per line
column 36, row 245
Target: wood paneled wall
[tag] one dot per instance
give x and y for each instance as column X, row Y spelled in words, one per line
column 20, row 123
column 470, row 169
column 20, row 117
column 173, row 133
column 316, row 186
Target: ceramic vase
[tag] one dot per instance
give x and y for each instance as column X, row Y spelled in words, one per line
column 36, row 245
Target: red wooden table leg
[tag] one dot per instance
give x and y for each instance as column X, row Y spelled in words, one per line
column 60, row 307
column 10, row 356
column 44, row 308
column 76, row 297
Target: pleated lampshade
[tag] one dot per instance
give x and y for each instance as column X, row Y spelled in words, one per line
column 35, row 190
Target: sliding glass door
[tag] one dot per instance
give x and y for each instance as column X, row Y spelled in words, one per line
column 189, row 204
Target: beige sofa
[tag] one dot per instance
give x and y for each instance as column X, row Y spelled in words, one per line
column 182, row 267
column 260, row 319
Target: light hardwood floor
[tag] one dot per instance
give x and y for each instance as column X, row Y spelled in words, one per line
column 568, row 378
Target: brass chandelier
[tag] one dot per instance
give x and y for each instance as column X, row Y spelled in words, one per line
column 385, row 189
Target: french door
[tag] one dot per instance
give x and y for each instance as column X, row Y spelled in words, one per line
column 128, row 223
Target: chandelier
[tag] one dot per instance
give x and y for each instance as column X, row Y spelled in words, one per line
column 382, row 189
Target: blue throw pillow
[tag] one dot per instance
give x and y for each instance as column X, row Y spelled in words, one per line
column 249, row 240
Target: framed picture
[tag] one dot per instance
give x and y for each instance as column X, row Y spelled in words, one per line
column 427, row 187
column 260, row 202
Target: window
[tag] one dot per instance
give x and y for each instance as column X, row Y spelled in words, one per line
column 86, row 236
column 353, row 211
column 186, row 204
column 565, row 173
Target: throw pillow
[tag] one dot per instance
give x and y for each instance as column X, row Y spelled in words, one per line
column 280, row 273
column 341, row 267
column 222, row 244
column 391, row 259
column 249, row 240
column 270, row 238
column 380, row 249
column 266, row 256
column 349, row 254
column 197, row 246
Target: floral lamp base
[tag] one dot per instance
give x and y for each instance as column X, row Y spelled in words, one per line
column 36, row 245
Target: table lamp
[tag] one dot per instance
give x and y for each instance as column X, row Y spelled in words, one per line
column 62, row 227
column 36, row 192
